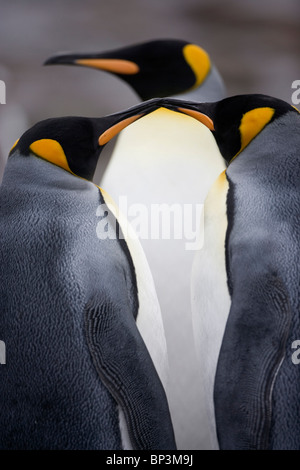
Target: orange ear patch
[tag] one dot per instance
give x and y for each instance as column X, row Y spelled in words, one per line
column 253, row 122
column 199, row 62
column 52, row 151
column 125, row 67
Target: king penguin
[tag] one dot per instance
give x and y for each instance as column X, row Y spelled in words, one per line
column 76, row 299
column 160, row 173
column 245, row 283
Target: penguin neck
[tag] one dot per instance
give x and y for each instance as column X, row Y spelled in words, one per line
column 270, row 153
column 212, row 89
column 26, row 171
column 263, row 199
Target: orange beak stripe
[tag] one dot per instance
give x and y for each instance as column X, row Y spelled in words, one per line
column 199, row 116
column 125, row 67
column 114, row 130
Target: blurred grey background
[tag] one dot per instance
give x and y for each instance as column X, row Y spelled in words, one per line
column 255, row 45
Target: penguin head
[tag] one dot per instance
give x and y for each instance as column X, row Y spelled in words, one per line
column 75, row 143
column 153, row 69
column 234, row 121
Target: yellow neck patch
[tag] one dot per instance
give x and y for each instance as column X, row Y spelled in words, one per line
column 51, row 150
column 14, row 145
column 252, row 123
column 222, row 178
column 199, row 62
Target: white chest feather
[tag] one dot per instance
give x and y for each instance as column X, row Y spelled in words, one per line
column 164, row 165
column 210, row 296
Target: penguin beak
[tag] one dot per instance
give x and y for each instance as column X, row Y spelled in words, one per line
column 203, row 118
column 190, row 109
column 114, row 129
column 109, row 126
column 117, row 66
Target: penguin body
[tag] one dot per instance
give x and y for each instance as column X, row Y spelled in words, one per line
column 164, row 190
column 256, row 384
column 265, row 294
column 78, row 373
column 168, row 161
column 168, row 193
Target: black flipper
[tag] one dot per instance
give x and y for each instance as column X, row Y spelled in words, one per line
column 125, row 367
column 251, row 354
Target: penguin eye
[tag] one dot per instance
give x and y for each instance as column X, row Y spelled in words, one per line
column 52, row 151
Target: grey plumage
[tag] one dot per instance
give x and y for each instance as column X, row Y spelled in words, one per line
column 68, row 303
column 257, row 399
column 256, row 383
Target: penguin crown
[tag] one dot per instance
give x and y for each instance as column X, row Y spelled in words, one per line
column 155, row 68
column 234, row 121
